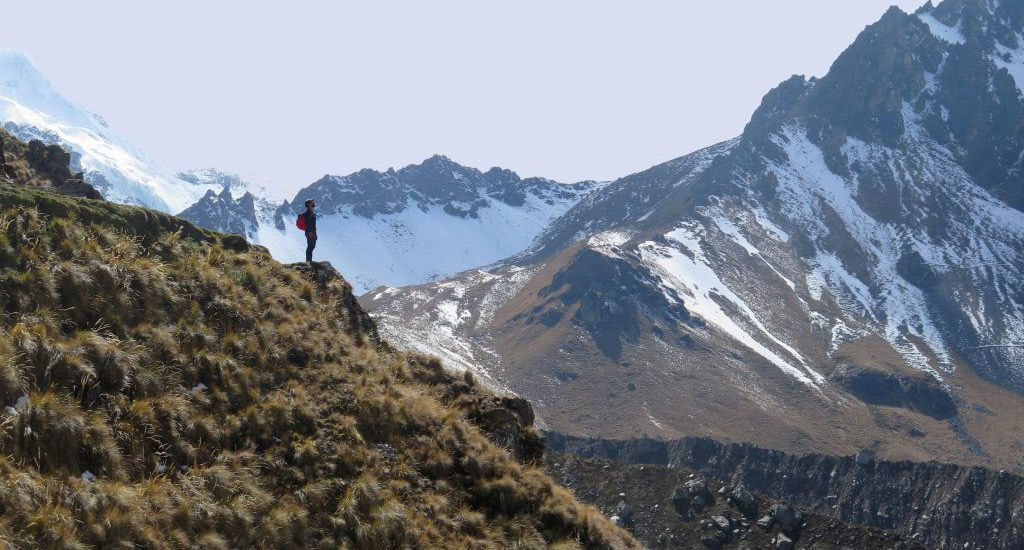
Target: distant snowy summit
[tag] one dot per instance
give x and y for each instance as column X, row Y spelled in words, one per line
column 437, row 182
column 422, row 222
column 30, row 108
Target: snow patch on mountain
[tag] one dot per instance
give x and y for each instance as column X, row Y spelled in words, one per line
column 443, row 315
column 121, row 172
column 987, row 236
column 1011, row 59
column 942, row 31
column 688, row 272
column 417, row 245
column 805, row 182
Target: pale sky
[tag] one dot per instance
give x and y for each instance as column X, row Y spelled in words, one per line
column 285, row 92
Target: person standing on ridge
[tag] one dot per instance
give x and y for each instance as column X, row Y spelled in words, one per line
column 310, row 218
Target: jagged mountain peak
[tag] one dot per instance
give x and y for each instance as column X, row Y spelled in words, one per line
column 235, row 208
column 438, row 160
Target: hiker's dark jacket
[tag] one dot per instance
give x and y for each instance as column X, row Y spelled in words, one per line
column 310, row 220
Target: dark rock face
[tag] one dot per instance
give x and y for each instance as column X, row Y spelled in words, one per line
column 49, row 163
column 635, row 496
column 79, row 188
column 788, row 517
column 49, row 160
column 940, row 505
column 915, row 392
column 507, row 422
column 912, row 267
column 975, row 105
column 221, row 212
column 436, row 182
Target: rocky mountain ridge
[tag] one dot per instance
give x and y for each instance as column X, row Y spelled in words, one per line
column 675, row 507
column 240, row 207
column 437, row 182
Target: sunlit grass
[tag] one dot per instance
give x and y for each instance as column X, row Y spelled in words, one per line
column 168, row 392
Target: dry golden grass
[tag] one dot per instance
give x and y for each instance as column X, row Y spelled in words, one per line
column 167, row 392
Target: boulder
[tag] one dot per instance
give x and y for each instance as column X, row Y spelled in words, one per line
column 696, row 486
column 721, row 522
column 765, row 522
column 742, row 498
column 715, row 539
column 624, row 512
column 789, row 518
column 782, row 542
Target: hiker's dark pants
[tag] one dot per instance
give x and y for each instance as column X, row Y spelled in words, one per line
column 310, row 245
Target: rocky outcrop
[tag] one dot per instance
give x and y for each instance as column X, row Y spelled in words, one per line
column 54, row 163
column 940, row 505
column 42, row 164
column 608, row 298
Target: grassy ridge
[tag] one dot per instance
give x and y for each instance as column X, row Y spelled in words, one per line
column 166, row 387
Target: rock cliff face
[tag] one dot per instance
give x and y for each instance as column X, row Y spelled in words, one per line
column 674, row 508
column 939, row 505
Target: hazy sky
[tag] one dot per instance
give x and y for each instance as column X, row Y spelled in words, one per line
column 288, row 91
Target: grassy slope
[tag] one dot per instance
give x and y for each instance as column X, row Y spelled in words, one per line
column 221, row 400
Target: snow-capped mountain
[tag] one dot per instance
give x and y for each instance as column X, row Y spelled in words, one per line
column 30, row 108
column 846, row 274
column 422, row 222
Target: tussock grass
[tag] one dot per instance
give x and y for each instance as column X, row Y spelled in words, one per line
column 171, row 390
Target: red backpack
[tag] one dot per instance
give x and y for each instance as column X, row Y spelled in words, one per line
column 300, row 222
